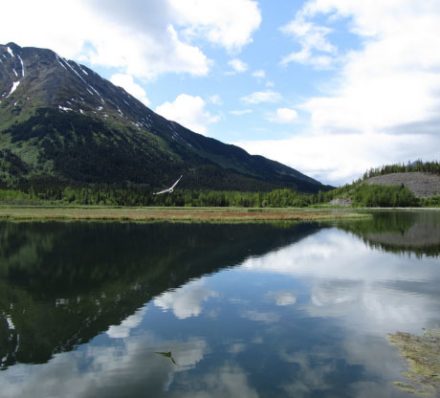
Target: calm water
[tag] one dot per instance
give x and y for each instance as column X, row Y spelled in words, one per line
column 130, row 310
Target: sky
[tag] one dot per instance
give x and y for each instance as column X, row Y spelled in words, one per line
column 329, row 87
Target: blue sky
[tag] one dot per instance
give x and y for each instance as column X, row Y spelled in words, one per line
column 329, row 87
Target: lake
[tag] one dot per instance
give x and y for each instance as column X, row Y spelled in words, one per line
column 206, row 310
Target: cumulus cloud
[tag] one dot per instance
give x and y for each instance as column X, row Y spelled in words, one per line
column 127, row 82
column 382, row 105
column 283, row 116
column 259, row 97
column 189, row 111
column 143, row 39
column 237, row 65
column 393, row 80
column 315, row 48
column 338, row 158
column 228, row 23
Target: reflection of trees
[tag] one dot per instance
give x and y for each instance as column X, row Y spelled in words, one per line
column 400, row 232
column 62, row 284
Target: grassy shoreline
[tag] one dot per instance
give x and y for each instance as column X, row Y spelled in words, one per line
column 175, row 214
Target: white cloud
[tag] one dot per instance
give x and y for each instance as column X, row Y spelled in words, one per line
column 382, row 105
column 316, row 49
column 142, row 39
column 127, row 82
column 228, row 23
column 189, row 111
column 215, row 99
column 393, row 80
column 259, row 74
column 284, row 116
column 186, row 301
column 238, row 65
column 139, row 40
column 241, row 112
column 340, row 158
column 259, row 97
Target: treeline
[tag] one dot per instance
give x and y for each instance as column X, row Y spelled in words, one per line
column 361, row 195
column 138, row 196
column 427, row 167
column 358, row 193
column 366, row 195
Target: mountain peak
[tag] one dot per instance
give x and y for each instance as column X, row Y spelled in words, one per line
column 62, row 120
column 12, row 45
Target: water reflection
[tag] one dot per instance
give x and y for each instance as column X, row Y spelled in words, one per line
column 410, row 232
column 212, row 310
column 371, row 289
column 63, row 284
column 186, row 301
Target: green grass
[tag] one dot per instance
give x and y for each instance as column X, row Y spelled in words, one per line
column 174, row 214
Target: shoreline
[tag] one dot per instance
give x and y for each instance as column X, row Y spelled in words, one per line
column 176, row 214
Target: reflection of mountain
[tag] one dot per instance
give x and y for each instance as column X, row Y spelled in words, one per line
column 401, row 232
column 62, row 284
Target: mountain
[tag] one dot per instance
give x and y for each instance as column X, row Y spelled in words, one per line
column 61, row 122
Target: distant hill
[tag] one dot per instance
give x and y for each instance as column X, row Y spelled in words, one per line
column 60, row 122
column 421, row 184
column 399, row 185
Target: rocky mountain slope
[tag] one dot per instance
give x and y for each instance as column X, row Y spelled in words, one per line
column 61, row 122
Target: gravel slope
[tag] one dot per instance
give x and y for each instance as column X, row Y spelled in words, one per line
column 422, row 184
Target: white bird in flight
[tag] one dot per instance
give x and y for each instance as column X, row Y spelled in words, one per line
column 170, row 189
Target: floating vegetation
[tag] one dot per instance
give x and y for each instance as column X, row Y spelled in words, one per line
column 422, row 354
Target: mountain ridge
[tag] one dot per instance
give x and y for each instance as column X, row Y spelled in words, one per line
column 61, row 120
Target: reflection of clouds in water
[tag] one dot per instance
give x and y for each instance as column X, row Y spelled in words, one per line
column 374, row 307
column 377, row 357
column 260, row 316
column 369, row 293
column 111, row 371
column 376, row 291
column 125, row 371
column 122, row 330
column 334, row 254
column 314, row 371
column 236, row 348
column 360, row 357
column 282, row 298
column 228, row 381
column 186, row 301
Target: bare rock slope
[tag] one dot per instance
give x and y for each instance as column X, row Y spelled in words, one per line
column 421, row 184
